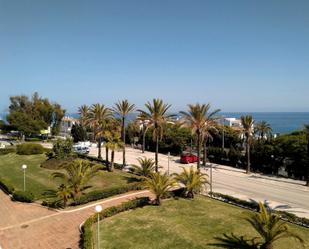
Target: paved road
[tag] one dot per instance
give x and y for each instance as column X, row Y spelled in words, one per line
column 289, row 195
column 27, row 226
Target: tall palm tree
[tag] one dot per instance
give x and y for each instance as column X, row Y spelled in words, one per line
column 143, row 119
column 307, row 135
column 83, row 113
column 145, row 168
column 114, row 143
column 193, row 181
column 200, row 121
column 122, row 109
column 97, row 116
column 247, row 125
column 263, row 129
column 270, row 227
column 77, row 174
column 159, row 184
column 157, row 117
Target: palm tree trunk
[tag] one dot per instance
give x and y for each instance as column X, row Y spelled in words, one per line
column 124, row 143
column 112, row 161
column 106, row 155
column 198, row 150
column 267, row 246
column 99, row 148
column 205, row 152
column 144, row 138
column 248, row 156
column 158, row 201
column 157, row 152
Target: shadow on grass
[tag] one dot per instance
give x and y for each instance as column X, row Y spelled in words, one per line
column 132, row 179
column 235, row 242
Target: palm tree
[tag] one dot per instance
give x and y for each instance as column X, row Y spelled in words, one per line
column 159, row 185
column 77, row 175
column 64, row 193
column 200, row 121
column 123, row 108
column 83, row 113
column 270, row 227
column 307, row 135
column 114, row 143
column 262, row 128
column 143, row 118
column 98, row 115
column 193, row 181
column 146, row 167
column 247, row 125
column 157, row 117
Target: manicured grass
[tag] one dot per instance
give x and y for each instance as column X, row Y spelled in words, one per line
column 38, row 179
column 181, row 224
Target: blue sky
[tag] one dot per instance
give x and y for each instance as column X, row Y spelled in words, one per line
column 237, row 55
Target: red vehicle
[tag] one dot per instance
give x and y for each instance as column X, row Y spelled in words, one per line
column 188, row 158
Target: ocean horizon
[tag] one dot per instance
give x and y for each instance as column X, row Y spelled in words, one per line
column 281, row 122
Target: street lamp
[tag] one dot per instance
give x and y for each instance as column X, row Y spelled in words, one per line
column 98, row 209
column 24, row 167
column 211, row 156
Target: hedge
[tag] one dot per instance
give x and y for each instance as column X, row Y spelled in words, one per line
column 23, row 196
column 292, row 218
column 87, row 234
column 95, row 159
column 29, row 149
column 6, row 186
column 105, row 193
column 7, row 150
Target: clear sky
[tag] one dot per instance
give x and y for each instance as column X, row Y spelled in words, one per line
column 249, row 55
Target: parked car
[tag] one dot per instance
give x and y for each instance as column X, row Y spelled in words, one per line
column 188, row 158
column 81, row 150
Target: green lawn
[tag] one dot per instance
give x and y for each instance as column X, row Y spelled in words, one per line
column 181, row 224
column 38, row 179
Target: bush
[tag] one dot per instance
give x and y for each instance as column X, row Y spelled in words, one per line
column 29, row 149
column 23, row 196
column 101, row 161
column 101, row 194
column 7, row 150
column 54, row 163
column 63, row 148
column 87, row 234
column 6, row 186
column 33, row 139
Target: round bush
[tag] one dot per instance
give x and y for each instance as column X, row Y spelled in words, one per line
column 29, row 149
column 23, row 196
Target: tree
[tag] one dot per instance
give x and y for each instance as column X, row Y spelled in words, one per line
column 83, row 114
column 122, row 109
column 114, row 143
column 156, row 116
column 193, row 181
column 133, row 131
column 247, row 124
column 143, row 119
column 263, row 129
column 145, row 168
column 270, row 227
column 30, row 116
column 200, row 121
column 159, row 184
column 98, row 115
column 64, row 193
column 307, row 136
column 78, row 133
column 62, row 148
column 77, row 175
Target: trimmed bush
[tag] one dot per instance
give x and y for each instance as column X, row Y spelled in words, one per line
column 23, row 196
column 29, row 149
column 105, row 193
column 7, row 150
column 87, row 234
column 6, row 186
column 33, row 139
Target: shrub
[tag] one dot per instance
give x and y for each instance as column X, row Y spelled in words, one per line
column 54, row 163
column 23, row 196
column 63, row 148
column 6, row 186
column 7, row 150
column 101, row 194
column 33, row 139
column 29, row 149
column 87, row 234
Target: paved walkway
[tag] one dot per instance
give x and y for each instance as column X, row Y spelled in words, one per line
column 30, row 226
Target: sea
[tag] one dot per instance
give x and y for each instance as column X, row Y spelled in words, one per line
column 281, row 122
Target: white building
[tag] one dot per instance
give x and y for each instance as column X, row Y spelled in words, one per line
column 66, row 125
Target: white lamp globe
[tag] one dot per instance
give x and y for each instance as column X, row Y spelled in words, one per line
column 98, row 208
column 24, row 166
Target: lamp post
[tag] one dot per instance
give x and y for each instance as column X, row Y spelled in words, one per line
column 98, row 209
column 168, row 163
column 24, row 167
column 210, row 175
